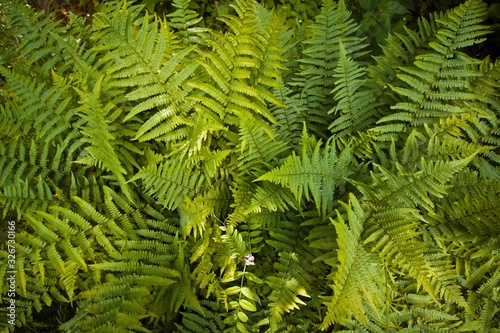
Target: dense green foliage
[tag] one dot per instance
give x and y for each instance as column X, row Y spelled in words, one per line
column 146, row 159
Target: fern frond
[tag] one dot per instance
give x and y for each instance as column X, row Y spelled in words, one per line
column 443, row 70
column 41, row 37
column 237, row 247
column 185, row 21
column 146, row 60
column 356, row 105
column 356, row 281
column 209, row 320
column 287, row 286
column 291, row 116
column 469, row 216
column 35, row 174
column 194, row 215
column 258, row 148
column 320, row 57
column 273, row 198
column 461, row 28
column 242, row 65
column 170, row 181
column 101, row 150
column 399, row 51
column 414, row 188
column 398, row 217
column 314, row 176
column 483, row 129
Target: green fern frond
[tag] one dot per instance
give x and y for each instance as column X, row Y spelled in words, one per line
column 35, row 174
column 237, row 247
column 273, row 197
column 240, row 65
column 314, row 175
column 356, row 105
column 168, row 182
column 399, row 51
column 146, row 60
column 320, row 57
column 277, row 36
column 40, row 43
column 413, row 189
column 242, row 190
column 443, row 70
column 470, row 217
column 398, row 217
column 483, row 129
column 436, row 146
column 356, row 280
column 101, row 150
column 290, row 116
column 118, row 35
column 194, row 215
column 137, row 265
column 259, row 150
column 209, row 320
column 117, row 304
column 26, row 196
column 185, row 21
column 64, row 244
column 36, row 100
column 461, row 28
column 287, row 286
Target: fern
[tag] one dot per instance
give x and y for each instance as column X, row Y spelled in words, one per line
column 270, row 177
column 206, row 320
column 170, row 183
column 356, row 281
column 41, row 43
column 355, row 106
column 321, row 54
column 313, row 176
column 101, row 151
column 185, row 21
column 286, row 288
column 443, row 71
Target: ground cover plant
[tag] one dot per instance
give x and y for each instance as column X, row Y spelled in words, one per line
column 164, row 176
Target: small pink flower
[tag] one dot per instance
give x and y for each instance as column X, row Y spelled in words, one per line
column 249, row 259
